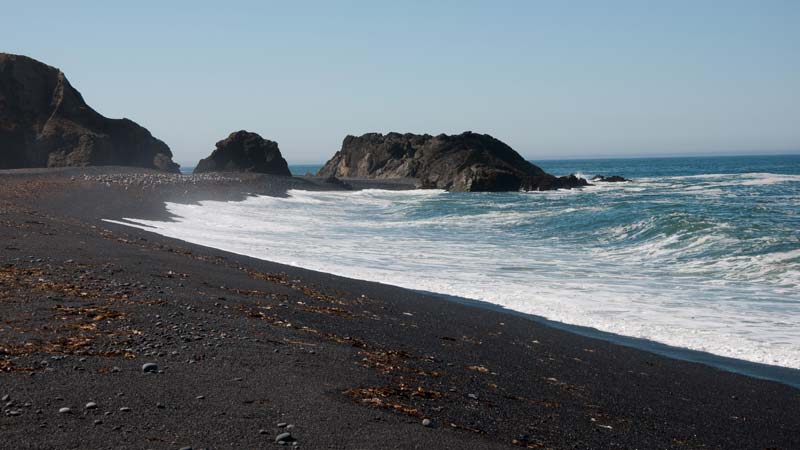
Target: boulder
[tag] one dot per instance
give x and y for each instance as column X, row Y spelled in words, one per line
column 243, row 151
column 44, row 122
column 465, row 162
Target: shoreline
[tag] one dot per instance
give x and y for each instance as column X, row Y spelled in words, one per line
column 383, row 357
column 763, row 370
column 785, row 375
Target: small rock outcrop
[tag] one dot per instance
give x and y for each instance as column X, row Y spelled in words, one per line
column 609, row 179
column 243, row 151
column 466, row 162
column 44, row 122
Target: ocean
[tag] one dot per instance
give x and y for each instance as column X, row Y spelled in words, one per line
column 697, row 253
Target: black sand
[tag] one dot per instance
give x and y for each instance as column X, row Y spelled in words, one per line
column 245, row 344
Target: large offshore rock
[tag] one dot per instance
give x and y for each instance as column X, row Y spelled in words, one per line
column 464, row 162
column 243, row 151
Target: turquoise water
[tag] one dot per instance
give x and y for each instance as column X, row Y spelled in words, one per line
column 695, row 253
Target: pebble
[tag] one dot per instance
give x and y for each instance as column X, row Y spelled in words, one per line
column 125, row 409
column 5, row 398
column 200, row 397
column 284, row 438
column 91, row 405
column 186, row 448
column 282, row 425
column 427, row 423
column 98, row 422
column 65, row 410
column 263, row 431
column 15, row 413
column 150, row 368
column 472, row 396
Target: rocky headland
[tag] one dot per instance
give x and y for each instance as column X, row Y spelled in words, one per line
column 243, row 151
column 468, row 162
column 44, row 122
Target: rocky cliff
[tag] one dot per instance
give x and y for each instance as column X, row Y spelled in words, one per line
column 464, row 162
column 44, row 122
column 243, row 151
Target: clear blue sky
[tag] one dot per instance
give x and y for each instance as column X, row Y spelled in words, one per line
column 552, row 79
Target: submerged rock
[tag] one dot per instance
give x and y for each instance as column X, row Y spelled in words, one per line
column 609, row 179
column 464, row 162
column 243, row 151
column 44, row 122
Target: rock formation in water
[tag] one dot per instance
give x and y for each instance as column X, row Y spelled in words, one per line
column 44, row 122
column 464, row 162
column 609, row 179
column 243, row 151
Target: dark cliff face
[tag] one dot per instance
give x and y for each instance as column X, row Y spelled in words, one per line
column 243, row 151
column 44, row 122
column 465, row 162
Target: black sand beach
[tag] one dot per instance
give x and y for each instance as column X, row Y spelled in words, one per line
column 242, row 345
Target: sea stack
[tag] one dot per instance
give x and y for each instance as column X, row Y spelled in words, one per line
column 243, row 151
column 468, row 162
column 44, row 122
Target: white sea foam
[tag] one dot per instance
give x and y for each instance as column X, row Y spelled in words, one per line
column 638, row 279
column 734, row 179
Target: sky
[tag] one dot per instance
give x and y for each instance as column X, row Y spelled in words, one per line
column 553, row 79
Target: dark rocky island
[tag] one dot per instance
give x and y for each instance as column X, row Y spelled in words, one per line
column 243, row 151
column 466, row 162
column 44, row 122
